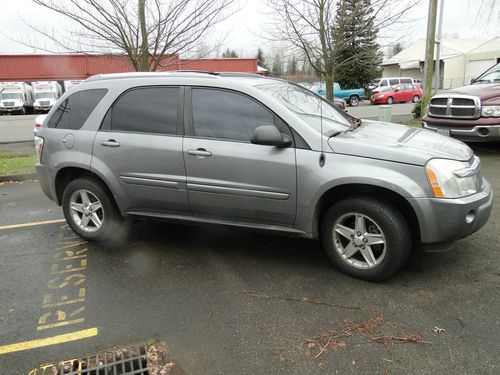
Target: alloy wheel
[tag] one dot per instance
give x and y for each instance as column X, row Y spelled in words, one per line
column 86, row 210
column 359, row 240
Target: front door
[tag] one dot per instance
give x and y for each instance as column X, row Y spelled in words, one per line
column 228, row 177
column 139, row 146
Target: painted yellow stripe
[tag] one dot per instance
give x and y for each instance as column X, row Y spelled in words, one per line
column 35, row 223
column 54, row 340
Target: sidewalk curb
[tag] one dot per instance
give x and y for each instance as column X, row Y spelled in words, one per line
column 19, row 177
column 9, row 142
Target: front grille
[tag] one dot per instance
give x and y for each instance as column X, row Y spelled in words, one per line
column 44, row 103
column 8, row 104
column 459, row 107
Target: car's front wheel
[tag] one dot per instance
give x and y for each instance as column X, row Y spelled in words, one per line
column 366, row 238
column 390, row 100
column 90, row 211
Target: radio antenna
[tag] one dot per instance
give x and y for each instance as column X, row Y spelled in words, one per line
column 322, row 154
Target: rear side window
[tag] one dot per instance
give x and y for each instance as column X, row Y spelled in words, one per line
column 74, row 111
column 393, row 82
column 146, row 110
column 406, row 80
column 227, row 115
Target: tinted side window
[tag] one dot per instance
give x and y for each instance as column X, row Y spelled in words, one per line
column 383, row 83
column 406, row 80
column 227, row 115
column 393, row 82
column 74, row 111
column 147, row 110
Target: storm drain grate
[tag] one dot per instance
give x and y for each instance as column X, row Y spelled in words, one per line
column 123, row 361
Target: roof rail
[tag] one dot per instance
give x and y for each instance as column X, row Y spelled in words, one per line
column 240, row 74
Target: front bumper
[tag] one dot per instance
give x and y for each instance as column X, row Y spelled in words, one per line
column 11, row 109
column 47, row 178
column 378, row 100
column 479, row 130
column 447, row 220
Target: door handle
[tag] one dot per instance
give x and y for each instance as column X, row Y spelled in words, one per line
column 199, row 152
column 110, row 143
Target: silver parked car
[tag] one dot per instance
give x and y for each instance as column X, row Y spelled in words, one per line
column 259, row 153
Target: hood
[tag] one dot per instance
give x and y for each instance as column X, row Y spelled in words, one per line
column 400, row 143
column 484, row 91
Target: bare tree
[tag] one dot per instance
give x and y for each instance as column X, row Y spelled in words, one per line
column 307, row 26
column 148, row 33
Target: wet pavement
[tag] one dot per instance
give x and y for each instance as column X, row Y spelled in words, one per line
column 231, row 301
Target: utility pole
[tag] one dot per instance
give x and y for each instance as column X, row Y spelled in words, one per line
column 429, row 54
column 437, row 76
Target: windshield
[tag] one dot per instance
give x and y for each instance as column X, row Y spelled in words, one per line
column 491, row 76
column 12, row 95
column 309, row 107
column 44, row 95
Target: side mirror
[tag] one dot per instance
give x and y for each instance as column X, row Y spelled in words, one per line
column 269, row 135
column 472, row 80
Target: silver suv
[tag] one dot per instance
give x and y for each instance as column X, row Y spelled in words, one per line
column 258, row 153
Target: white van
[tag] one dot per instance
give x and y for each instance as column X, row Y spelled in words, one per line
column 394, row 81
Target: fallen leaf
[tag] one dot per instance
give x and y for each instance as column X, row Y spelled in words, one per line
column 438, row 330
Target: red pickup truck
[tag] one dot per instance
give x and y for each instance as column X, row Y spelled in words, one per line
column 470, row 113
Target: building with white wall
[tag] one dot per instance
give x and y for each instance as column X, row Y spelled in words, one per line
column 461, row 60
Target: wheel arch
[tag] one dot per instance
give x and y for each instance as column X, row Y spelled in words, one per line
column 67, row 174
column 340, row 192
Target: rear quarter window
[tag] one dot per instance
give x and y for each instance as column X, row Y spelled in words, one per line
column 406, row 80
column 75, row 109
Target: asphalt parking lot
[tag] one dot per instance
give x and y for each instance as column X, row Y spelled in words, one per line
column 231, row 301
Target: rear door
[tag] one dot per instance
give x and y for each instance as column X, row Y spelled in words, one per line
column 139, row 148
column 228, row 177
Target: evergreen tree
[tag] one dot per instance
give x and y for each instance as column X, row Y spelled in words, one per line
column 357, row 56
column 229, row 53
column 291, row 67
column 261, row 60
column 277, row 70
column 396, row 48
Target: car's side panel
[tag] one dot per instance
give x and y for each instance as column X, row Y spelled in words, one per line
column 313, row 181
column 241, row 180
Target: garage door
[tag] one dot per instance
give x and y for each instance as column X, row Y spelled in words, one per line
column 476, row 67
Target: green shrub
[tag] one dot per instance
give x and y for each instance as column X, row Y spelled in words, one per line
column 417, row 110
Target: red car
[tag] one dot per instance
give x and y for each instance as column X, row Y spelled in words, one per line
column 398, row 94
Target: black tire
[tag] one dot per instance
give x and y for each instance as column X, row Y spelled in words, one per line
column 390, row 100
column 113, row 228
column 415, row 99
column 398, row 239
column 354, row 100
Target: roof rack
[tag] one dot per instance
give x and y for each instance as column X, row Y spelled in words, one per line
column 99, row 77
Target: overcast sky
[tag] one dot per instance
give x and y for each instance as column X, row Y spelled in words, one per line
column 245, row 28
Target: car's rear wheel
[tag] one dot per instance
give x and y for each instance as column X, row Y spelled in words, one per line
column 90, row 211
column 353, row 101
column 390, row 100
column 366, row 238
column 416, row 98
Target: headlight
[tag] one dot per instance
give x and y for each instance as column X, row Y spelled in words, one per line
column 443, row 176
column 491, row 110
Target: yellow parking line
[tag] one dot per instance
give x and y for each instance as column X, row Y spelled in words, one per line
column 13, row 226
column 59, row 339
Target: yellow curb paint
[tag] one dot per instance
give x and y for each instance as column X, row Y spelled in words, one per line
column 14, row 226
column 54, row 340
